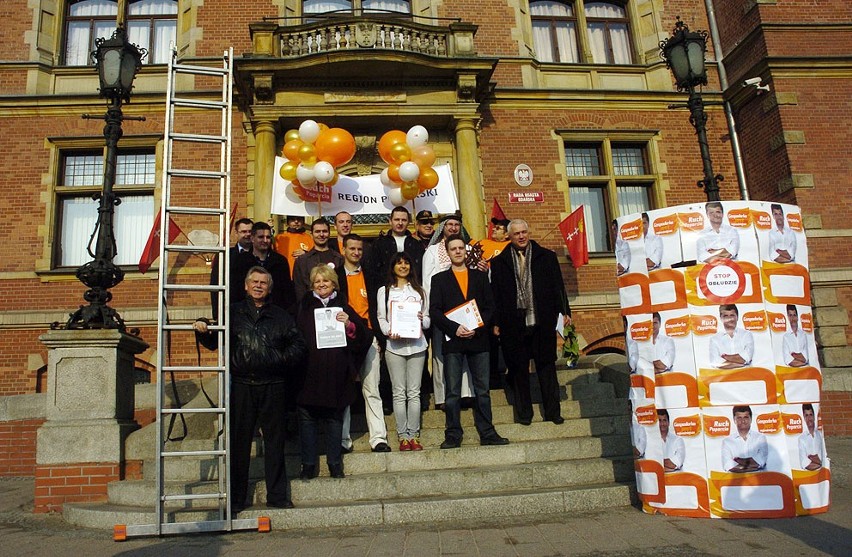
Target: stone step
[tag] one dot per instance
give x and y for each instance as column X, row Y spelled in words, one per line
column 375, row 512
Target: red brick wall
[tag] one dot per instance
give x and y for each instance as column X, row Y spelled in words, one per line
column 73, row 483
column 18, row 447
column 836, row 410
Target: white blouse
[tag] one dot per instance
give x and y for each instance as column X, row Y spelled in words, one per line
column 402, row 346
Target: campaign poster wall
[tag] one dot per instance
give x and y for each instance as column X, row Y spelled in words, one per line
column 725, row 380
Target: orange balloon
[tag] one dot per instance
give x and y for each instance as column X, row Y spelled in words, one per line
column 291, row 135
column 409, row 190
column 288, row 171
column 307, row 153
column 335, row 146
column 428, row 178
column 423, row 155
column 393, row 173
column 291, row 149
column 400, row 153
column 387, row 141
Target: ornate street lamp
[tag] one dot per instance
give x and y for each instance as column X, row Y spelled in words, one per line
column 117, row 61
column 684, row 56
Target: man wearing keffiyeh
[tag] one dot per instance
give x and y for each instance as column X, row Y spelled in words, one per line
column 527, row 281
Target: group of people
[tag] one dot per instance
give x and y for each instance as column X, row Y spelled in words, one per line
column 316, row 315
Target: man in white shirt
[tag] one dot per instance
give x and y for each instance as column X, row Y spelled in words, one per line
column 782, row 240
column 732, row 347
column 622, row 250
column 637, row 435
column 811, row 444
column 720, row 241
column 674, row 449
column 795, row 342
column 653, row 245
column 664, row 348
column 744, row 450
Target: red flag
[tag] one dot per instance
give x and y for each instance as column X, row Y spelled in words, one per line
column 573, row 230
column 152, row 246
column 496, row 213
column 233, row 216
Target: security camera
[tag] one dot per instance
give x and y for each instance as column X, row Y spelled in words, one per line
column 753, row 81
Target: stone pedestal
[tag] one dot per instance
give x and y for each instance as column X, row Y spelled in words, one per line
column 89, row 411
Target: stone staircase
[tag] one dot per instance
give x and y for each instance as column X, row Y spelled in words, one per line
column 583, row 464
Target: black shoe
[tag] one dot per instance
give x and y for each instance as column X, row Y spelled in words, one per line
column 387, row 410
column 451, row 444
column 558, row 420
column 346, row 450
column 524, row 421
column 236, row 509
column 336, row 471
column 381, row 448
column 309, row 472
column 495, row 440
column 439, row 407
column 284, row 505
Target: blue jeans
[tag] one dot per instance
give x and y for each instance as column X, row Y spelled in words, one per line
column 479, row 372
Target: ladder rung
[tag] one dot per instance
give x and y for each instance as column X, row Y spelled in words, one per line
column 199, row 103
column 194, row 368
column 198, row 173
column 193, row 496
column 189, row 328
column 192, row 410
column 193, row 453
column 200, row 70
column 194, row 287
column 198, row 138
column 195, row 210
column 134, row 530
column 195, row 249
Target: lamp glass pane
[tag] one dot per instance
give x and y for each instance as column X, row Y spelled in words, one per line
column 111, row 68
column 679, row 63
column 696, row 57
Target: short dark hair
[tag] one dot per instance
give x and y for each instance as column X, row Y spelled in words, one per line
column 657, row 315
column 738, row 409
column 793, row 308
column 243, row 220
column 352, row 238
column 808, row 406
column 715, row 205
column 260, row 225
column 321, row 221
column 400, row 209
column 452, row 237
column 729, row 307
column 776, row 206
column 662, row 412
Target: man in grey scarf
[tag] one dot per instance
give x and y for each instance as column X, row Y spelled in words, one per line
column 527, row 281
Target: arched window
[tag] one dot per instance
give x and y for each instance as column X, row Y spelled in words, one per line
column 355, row 7
column 151, row 24
column 609, row 38
column 554, row 27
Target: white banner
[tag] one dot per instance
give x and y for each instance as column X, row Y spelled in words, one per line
column 362, row 195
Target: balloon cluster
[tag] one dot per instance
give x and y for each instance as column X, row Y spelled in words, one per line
column 410, row 160
column 313, row 153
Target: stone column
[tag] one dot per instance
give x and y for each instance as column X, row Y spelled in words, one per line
column 89, row 411
column 264, row 139
column 469, row 180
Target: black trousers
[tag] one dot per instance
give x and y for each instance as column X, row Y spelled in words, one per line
column 518, row 349
column 264, row 405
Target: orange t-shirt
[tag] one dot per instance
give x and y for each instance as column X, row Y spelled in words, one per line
column 288, row 242
column 358, row 294
column 461, row 278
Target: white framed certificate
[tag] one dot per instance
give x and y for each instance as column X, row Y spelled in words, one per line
column 330, row 333
column 466, row 314
column 404, row 320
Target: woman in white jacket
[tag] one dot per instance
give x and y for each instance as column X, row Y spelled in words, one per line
column 404, row 356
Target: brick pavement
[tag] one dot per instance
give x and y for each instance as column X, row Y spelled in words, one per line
column 616, row 533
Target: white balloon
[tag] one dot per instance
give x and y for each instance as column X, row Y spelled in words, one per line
column 395, row 197
column 309, row 131
column 417, row 136
column 409, row 171
column 386, row 181
column 305, row 175
column 324, row 172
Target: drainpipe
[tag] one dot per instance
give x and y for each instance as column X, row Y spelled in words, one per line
column 729, row 114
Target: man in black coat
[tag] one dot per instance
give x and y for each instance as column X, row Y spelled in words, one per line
column 528, row 282
column 236, row 292
column 262, row 255
column 266, row 350
column 450, row 289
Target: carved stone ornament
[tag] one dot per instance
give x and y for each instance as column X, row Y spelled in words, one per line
column 466, row 88
column 263, row 93
column 366, row 35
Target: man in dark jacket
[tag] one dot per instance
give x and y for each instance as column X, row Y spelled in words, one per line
column 262, row 255
column 266, row 349
column 528, row 282
column 452, row 288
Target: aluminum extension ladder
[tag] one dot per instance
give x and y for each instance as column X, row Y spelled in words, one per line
column 196, row 191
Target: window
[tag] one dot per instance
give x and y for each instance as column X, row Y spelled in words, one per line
column 81, row 176
column 151, row 24
column 355, row 7
column 609, row 178
column 603, row 32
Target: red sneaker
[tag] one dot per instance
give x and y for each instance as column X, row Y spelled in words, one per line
column 404, row 445
column 415, row 445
